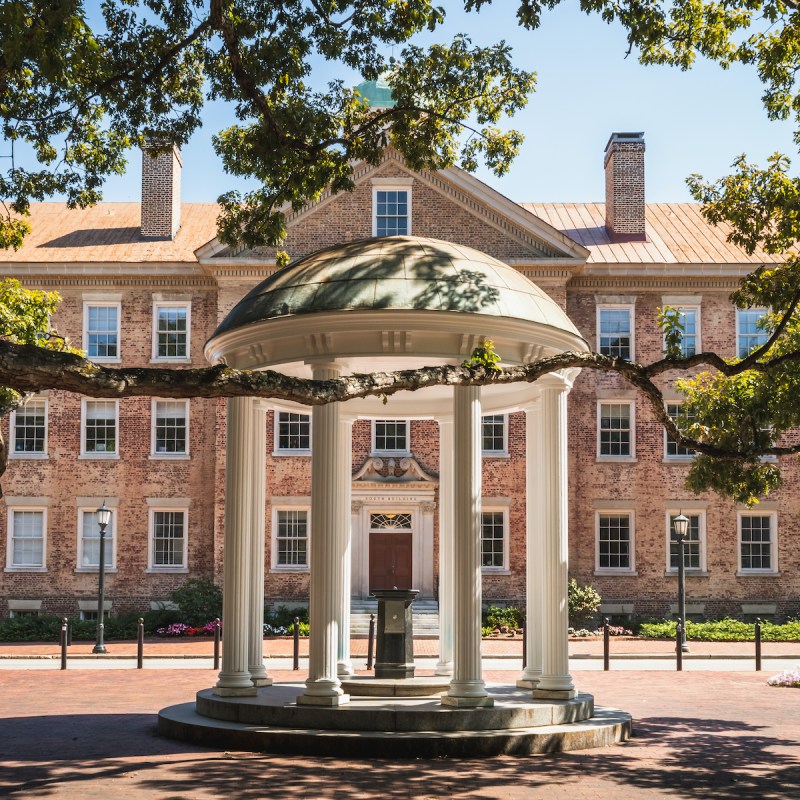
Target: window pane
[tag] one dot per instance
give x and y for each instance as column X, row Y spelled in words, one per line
column 691, row 546
column 673, row 448
column 751, row 335
column 102, row 332
column 294, row 431
column 615, row 332
column 171, row 330
column 614, row 541
column 28, row 538
column 756, row 542
column 688, row 318
column 493, row 433
column 29, row 427
column 170, row 426
column 391, row 435
column 168, row 538
column 391, row 213
column 492, row 540
column 292, row 538
column 101, row 426
column 90, row 541
column 615, row 429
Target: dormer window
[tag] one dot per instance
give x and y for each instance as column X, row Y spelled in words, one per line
column 391, row 210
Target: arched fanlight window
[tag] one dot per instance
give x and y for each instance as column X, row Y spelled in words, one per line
column 390, row 521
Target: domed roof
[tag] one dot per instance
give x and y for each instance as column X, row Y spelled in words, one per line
column 406, row 273
column 377, row 93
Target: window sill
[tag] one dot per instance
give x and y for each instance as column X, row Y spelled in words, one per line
column 281, row 453
column 95, row 570
column 26, row 456
column 616, row 459
column 291, row 569
column 757, row 573
column 25, row 569
column 390, row 454
column 495, row 571
column 98, row 457
column 495, row 454
column 627, row 573
column 678, row 459
column 169, row 457
column 166, row 570
column 690, row 573
column 181, row 360
column 99, row 360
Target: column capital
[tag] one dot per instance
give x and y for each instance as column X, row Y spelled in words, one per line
column 562, row 380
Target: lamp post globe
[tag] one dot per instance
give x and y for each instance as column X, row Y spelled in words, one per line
column 103, row 519
column 680, row 526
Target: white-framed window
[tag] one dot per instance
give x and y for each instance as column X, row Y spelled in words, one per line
column 616, row 429
column 101, row 330
column 169, row 428
column 100, row 428
column 172, row 322
column 494, row 540
column 758, row 536
column 168, row 539
column 673, row 450
column 615, row 548
column 290, row 538
column 27, row 539
column 391, row 210
column 690, row 337
column 89, row 615
column 292, row 432
column 28, row 432
column 749, row 333
column 495, row 434
column 694, row 548
column 615, row 331
column 390, row 436
column 23, row 612
column 89, row 541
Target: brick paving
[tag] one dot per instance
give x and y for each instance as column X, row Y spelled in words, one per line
column 80, row 735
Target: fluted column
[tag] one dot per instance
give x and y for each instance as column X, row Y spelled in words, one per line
column 258, row 672
column 446, row 604
column 234, row 678
column 555, row 681
column 533, row 548
column 344, row 665
column 467, row 687
column 328, row 484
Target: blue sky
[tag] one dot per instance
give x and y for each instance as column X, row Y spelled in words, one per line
column 695, row 121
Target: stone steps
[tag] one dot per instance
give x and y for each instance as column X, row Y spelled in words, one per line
column 426, row 617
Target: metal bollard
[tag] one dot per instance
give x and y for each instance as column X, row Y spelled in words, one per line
column 758, row 644
column 216, row 642
column 606, row 646
column 64, row 643
column 678, row 648
column 69, row 632
column 140, row 643
column 296, row 663
column 370, row 640
column 525, row 646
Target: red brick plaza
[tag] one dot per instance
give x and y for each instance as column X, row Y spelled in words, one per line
column 83, row 734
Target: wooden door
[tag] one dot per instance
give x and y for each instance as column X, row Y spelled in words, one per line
column 390, row 560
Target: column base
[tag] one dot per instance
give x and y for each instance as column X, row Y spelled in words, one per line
column 329, row 700
column 527, row 683
column 262, row 681
column 554, row 694
column 444, row 668
column 234, row 691
column 344, row 669
column 487, row 701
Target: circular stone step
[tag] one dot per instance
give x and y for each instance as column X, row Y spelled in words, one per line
column 367, row 686
column 606, row 727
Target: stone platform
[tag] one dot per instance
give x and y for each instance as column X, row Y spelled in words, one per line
column 367, row 686
column 394, row 727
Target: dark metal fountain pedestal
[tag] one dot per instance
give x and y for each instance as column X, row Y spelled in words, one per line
column 395, row 646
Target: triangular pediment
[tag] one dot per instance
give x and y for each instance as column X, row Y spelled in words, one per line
column 450, row 204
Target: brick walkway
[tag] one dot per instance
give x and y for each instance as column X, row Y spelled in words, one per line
column 80, row 735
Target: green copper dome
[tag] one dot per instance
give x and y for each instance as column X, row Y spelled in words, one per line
column 377, row 93
column 406, row 273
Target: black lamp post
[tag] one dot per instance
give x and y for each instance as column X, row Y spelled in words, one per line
column 681, row 526
column 103, row 518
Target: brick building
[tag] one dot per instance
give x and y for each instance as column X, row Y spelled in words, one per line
column 149, row 285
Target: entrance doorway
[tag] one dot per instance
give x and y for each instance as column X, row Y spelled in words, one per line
column 390, row 548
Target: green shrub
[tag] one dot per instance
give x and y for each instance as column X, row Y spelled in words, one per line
column 583, row 603
column 497, row 616
column 487, row 631
column 28, row 628
column 303, row 626
column 283, row 617
column 723, row 630
column 200, row 601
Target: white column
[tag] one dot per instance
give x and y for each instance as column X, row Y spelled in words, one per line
column 533, row 548
column 446, row 604
column 344, row 666
column 467, row 687
column 234, row 678
column 328, row 484
column 555, row 681
column 258, row 672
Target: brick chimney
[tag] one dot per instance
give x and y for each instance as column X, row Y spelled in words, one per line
column 624, row 163
column 161, row 191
